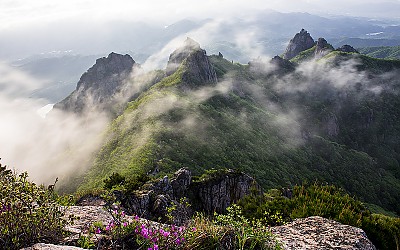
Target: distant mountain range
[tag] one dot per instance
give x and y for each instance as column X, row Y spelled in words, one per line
column 384, row 52
column 239, row 40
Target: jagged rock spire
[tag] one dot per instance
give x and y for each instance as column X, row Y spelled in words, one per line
column 180, row 54
column 301, row 42
column 322, row 48
column 198, row 69
column 99, row 84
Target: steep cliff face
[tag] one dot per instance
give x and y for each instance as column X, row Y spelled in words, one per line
column 302, row 41
column 198, row 69
column 218, row 193
column 99, row 85
column 322, row 48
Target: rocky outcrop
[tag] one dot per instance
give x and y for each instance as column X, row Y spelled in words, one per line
column 98, row 86
column 198, row 69
column 42, row 246
column 302, row 41
column 322, row 48
column 212, row 194
column 332, row 125
column 347, row 48
column 306, row 233
column 320, row 233
column 217, row 193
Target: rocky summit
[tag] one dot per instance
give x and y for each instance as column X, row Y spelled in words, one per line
column 322, row 48
column 99, row 84
column 199, row 70
column 301, row 42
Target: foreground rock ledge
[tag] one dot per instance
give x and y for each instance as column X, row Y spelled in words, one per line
column 320, row 233
column 308, row 233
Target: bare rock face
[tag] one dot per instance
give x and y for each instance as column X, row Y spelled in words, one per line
column 181, row 182
column 322, row 48
column 213, row 194
column 320, row 233
column 332, row 125
column 99, row 84
column 347, row 48
column 218, row 193
column 198, row 69
column 42, row 246
column 302, row 41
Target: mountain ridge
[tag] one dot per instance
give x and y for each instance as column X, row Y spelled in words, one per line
column 256, row 123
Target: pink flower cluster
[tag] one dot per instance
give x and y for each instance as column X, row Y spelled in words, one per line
column 162, row 236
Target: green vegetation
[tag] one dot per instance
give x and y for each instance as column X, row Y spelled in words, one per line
column 384, row 52
column 127, row 184
column 28, row 213
column 229, row 231
column 280, row 137
column 304, row 55
column 326, row 201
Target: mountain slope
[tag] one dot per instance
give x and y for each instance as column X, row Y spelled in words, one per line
column 382, row 52
column 281, row 126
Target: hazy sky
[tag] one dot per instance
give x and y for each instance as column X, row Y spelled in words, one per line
column 27, row 12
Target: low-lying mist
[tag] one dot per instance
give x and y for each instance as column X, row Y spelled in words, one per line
column 55, row 146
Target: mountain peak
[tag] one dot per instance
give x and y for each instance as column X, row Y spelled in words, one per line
column 181, row 53
column 191, row 44
column 300, row 42
column 198, row 68
column 100, row 83
column 322, row 48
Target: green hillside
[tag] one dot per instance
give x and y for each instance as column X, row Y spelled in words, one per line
column 384, row 52
column 278, row 133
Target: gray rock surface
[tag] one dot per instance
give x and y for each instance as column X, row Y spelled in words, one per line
column 213, row 194
column 314, row 233
column 98, row 86
column 322, row 48
column 199, row 70
column 218, row 193
column 347, row 48
column 320, row 233
column 42, row 246
column 302, row 41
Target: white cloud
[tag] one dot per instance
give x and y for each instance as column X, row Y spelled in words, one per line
column 26, row 12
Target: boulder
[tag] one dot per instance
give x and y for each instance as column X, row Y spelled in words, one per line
column 42, row 246
column 319, row 233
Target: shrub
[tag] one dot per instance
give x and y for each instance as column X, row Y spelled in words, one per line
column 113, row 180
column 28, row 213
column 326, row 201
